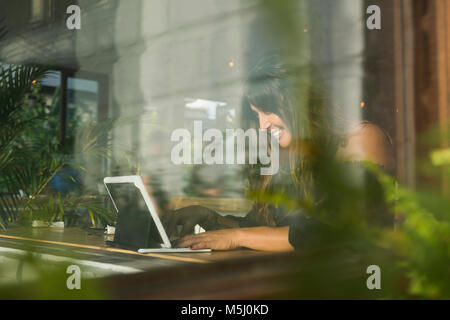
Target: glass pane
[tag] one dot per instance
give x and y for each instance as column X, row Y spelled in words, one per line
column 305, row 126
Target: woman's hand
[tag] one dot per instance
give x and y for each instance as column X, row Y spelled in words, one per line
column 188, row 217
column 226, row 239
column 256, row 238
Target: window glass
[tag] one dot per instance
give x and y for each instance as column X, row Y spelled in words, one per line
column 275, row 118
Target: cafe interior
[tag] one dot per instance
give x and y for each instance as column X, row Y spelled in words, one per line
column 98, row 92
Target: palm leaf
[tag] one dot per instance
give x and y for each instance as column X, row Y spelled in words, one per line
column 15, row 159
column 3, row 31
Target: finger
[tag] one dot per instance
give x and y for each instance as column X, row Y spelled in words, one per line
column 182, row 244
column 196, row 237
column 201, row 245
column 187, row 241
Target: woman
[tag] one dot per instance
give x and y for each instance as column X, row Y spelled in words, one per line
column 293, row 109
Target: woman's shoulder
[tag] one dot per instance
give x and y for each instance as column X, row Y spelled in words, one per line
column 367, row 141
column 370, row 129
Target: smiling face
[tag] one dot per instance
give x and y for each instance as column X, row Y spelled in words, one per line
column 275, row 126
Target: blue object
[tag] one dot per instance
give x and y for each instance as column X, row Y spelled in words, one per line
column 65, row 180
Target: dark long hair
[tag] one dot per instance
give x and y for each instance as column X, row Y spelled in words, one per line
column 298, row 97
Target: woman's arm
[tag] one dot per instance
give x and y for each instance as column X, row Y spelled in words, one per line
column 257, row 238
column 265, row 238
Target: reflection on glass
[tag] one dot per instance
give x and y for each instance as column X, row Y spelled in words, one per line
column 135, row 226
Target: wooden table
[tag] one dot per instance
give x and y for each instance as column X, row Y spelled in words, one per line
column 227, row 274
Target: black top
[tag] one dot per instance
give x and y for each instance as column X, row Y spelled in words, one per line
column 306, row 232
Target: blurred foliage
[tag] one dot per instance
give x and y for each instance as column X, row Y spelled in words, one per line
column 414, row 257
column 370, row 218
column 440, row 157
column 15, row 120
column 31, row 155
column 33, row 279
column 422, row 240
